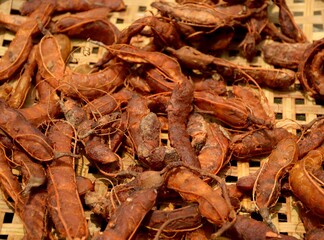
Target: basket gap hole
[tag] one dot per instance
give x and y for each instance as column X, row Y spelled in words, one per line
column 231, row 179
column 278, row 115
column 233, row 163
column 142, row 8
column 92, row 169
column 299, row 101
column 6, row 43
column 256, row 216
column 282, row 200
column 119, row 20
column 299, row 1
column 298, row 14
column 317, row 13
column 298, row 132
column 14, row 11
column 318, row 27
column 282, row 217
column 95, row 50
column 8, row 217
column 258, row 53
column 103, row 226
column 76, row 49
column 297, row 87
column 301, row 116
column 2, row 236
column 164, row 142
column 319, row 102
column 233, row 53
column 254, row 164
column 277, row 100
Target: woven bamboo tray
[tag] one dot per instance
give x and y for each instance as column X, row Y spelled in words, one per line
column 292, row 107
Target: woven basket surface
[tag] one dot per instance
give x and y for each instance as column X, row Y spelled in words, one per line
column 292, row 107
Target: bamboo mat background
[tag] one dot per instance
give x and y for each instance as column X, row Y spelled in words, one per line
column 292, row 107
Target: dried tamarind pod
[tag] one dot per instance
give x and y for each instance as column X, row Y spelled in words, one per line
column 178, row 110
column 48, row 106
column 310, row 72
column 230, row 111
column 312, row 223
column 257, row 142
column 95, row 28
column 21, row 45
column 203, row 15
column 164, row 31
column 248, row 228
column 254, row 103
column 52, row 68
column 193, row 189
column 266, row 190
column 304, row 185
column 213, row 155
column 12, row 22
column 33, row 173
column 19, row 93
column 136, row 207
column 285, row 55
column 65, row 206
column 32, row 140
column 34, row 213
column 197, row 130
column 74, row 6
column 312, row 138
column 272, row 78
column 288, row 25
column 191, row 219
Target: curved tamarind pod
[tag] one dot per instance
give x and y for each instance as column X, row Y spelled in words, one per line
column 230, row 111
column 64, row 203
column 310, row 69
column 257, row 143
column 273, row 78
column 311, row 139
column 304, row 185
column 107, row 103
column 213, row 154
column 178, row 110
column 167, row 65
column 193, row 189
column 135, row 208
column 19, row 93
column 204, row 15
column 197, row 130
column 32, row 140
column 21, row 45
column 253, row 102
column 12, row 22
column 32, row 172
column 52, row 68
column 95, row 149
column 248, row 228
column 48, row 106
column 155, row 218
column 94, row 28
column 288, row 25
column 266, row 188
column 74, row 6
column 165, row 32
column 312, row 223
column 285, row 55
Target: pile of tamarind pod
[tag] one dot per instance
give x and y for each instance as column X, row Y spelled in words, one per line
column 214, row 112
